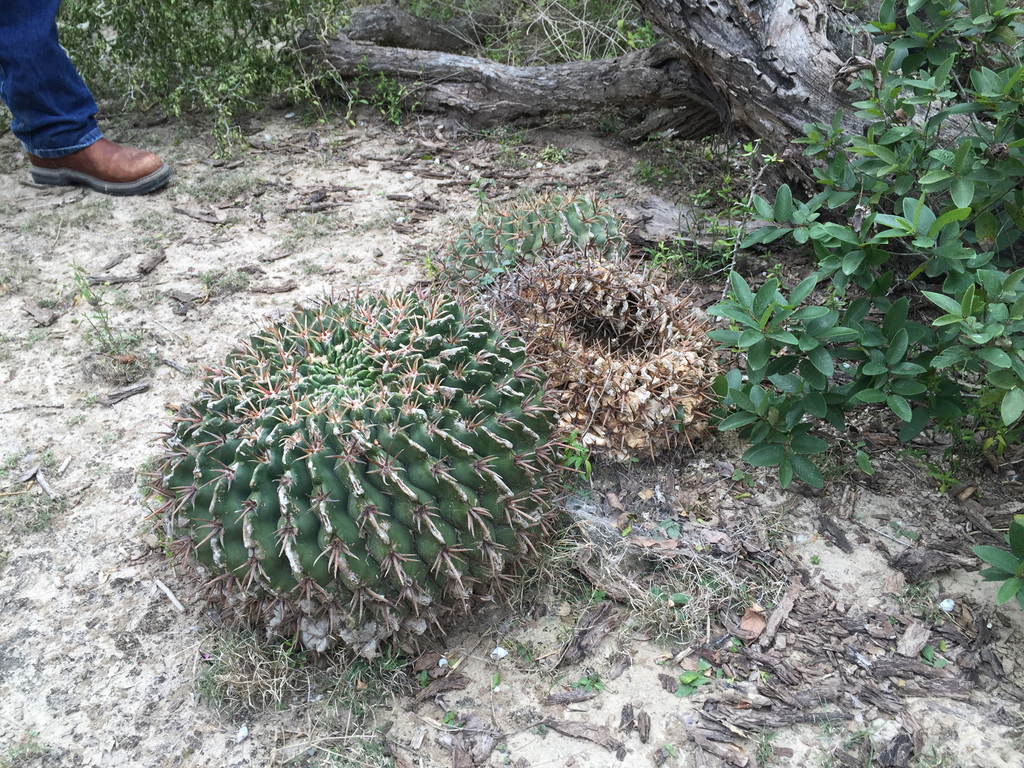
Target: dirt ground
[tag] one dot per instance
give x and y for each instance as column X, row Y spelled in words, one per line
column 108, row 657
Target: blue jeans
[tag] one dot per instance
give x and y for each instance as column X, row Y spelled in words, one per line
column 54, row 112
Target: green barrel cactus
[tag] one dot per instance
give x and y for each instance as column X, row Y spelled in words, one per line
column 499, row 239
column 363, row 467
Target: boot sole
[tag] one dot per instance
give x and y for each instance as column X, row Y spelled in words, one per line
column 65, row 177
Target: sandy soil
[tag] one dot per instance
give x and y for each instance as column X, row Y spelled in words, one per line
column 99, row 667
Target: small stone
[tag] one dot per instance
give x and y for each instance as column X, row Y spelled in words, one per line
column 242, row 735
column 947, row 605
column 498, row 654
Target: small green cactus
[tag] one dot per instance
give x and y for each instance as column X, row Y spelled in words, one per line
column 362, row 467
column 500, row 239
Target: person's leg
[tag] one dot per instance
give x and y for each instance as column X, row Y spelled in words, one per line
column 54, row 112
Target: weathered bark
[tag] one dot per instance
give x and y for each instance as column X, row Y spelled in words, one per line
column 764, row 67
column 486, row 93
column 773, row 61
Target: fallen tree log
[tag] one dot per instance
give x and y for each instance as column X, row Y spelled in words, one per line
column 484, row 93
column 762, row 67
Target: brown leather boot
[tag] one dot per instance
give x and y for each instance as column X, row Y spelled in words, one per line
column 104, row 166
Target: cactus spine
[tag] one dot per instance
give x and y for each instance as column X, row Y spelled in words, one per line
column 362, row 467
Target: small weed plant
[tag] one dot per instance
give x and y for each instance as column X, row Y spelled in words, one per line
column 388, row 96
column 108, row 339
column 577, row 456
column 912, row 205
column 591, row 683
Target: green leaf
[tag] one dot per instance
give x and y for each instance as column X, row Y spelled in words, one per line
column 1013, row 280
column 852, row 261
column 807, row 472
column 943, row 302
column 898, row 347
column 785, row 473
column 962, row 192
column 884, row 154
column 1002, row 379
column 765, row 297
column 870, row 396
column 999, row 558
column 967, row 302
column 821, row 360
column 957, row 214
column 896, row 317
column 934, row 177
column 749, row 338
column 864, row 462
column 1010, row 588
column 758, row 355
column 784, row 337
column 742, row 400
column 741, row 290
column 908, row 387
column 950, row 356
column 960, row 160
column 995, row 574
column 1012, row 406
column 907, row 369
column 764, row 210
column 733, row 312
column 736, row 421
column 783, row 204
column 994, row 356
column 899, row 406
column 815, row 404
column 804, row 290
column 807, row 444
column 1016, row 536
column 911, row 429
column 765, row 454
column 986, row 228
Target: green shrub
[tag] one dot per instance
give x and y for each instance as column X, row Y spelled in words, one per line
column 222, row 56
column 918, row 193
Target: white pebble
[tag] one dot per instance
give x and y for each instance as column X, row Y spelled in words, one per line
column 407, row 175
column 242, row 735
column 499, row 653
column 947, row 605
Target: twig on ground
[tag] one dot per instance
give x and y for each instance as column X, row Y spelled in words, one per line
column 170, row 595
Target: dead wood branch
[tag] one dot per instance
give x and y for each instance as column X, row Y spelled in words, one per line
column 486, row 93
